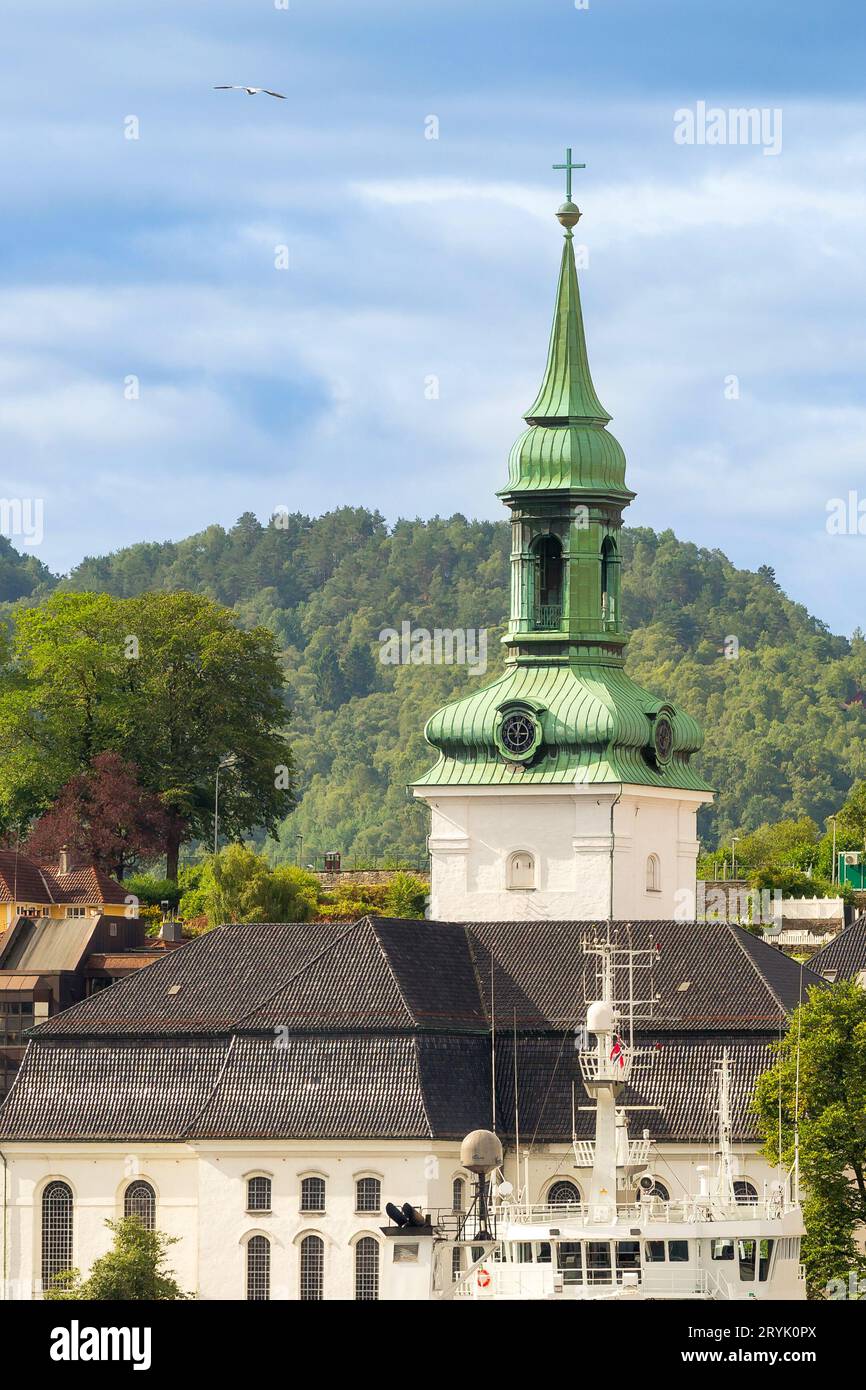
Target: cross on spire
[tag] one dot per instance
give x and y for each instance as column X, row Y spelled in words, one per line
column 568, row 166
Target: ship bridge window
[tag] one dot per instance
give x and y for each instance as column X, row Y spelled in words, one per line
column 746, row 1256
column 598, row 1261
column 723, row 1249
column 627, row 1255
column 654, row 1252
column 678, row 1251
column 765, row 1255
column 568, row 1258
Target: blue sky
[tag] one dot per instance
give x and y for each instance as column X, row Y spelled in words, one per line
column 409, row 258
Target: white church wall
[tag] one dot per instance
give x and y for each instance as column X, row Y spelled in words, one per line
column 201, row 1198
column 567, row 830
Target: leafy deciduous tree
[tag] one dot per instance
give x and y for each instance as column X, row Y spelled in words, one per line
column 133, row 1270
column 826, row 1093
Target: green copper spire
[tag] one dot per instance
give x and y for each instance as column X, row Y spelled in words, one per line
column 566, row 445
column 567, row 394
column 565, row 709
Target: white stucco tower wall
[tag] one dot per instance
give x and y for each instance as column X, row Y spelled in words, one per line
column 562, row 853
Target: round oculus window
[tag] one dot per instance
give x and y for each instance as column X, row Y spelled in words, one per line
column 518, row 733
column 664, row 738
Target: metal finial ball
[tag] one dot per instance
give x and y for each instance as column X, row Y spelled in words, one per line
column 568, row 214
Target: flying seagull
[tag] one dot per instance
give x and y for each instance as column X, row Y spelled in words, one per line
column 251, row 91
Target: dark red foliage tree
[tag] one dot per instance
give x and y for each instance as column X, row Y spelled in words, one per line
column 104, row 817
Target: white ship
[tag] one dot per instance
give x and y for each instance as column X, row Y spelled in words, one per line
column 711, row 1245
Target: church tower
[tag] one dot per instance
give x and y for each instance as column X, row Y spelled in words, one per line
column 564, row 790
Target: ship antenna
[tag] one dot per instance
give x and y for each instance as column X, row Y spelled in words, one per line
column 492, row 1045
column 516, row 1105
column 797, row 1096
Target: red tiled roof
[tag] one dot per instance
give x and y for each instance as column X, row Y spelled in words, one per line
column 22, row 880
column 89, row 885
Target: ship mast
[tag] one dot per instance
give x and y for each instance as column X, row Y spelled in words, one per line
column 608, row 1061
column 725, row 1177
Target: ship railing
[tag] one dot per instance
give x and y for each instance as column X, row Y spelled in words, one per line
column 638, row 1152
column 686, row 1209
column 514, row 1279
column 599, row 1066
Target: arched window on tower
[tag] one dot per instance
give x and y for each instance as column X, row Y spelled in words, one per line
column 609, row 583
column 548, row 584
column 653, row 874
column 521, row 871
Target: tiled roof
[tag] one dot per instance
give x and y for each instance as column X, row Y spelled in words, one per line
column 845, row 954
column 89, row 885
column 117, row 1090
column 22, row 880
column 383, row 1029
column 392, row 1086
column 222, row 976
column 710, row 976
column 382, row 974
column 316, row 1087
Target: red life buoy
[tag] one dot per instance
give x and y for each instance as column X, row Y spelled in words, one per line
column 483, row 1278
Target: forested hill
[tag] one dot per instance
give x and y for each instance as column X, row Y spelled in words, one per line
column 785, row 718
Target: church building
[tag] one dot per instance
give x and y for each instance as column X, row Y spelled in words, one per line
column 563, row 789
column 263, row 1091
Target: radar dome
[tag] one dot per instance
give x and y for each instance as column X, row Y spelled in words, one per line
column 481, row 1151
column 599, row 1017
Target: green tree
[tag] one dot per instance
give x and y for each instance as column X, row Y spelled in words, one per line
column 133, row 1270
column 359, row 669
column 166, row 679
column 826, row 1094
column 240, row 886
column 851, row 820
column 332, row 689
column 406, row 896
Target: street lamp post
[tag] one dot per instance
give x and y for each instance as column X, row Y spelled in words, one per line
column 835, row 866
column 228, row 761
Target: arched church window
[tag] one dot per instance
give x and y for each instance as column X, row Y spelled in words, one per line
column 609, row 582
column 139, row 1200
column 258, row 1269
column 653, row 874
column 563, row 1194
column 521, row 870
column 745, row 1192
column 56, row 1232
column 548, row 585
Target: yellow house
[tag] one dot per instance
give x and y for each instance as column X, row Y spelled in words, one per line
column 28, row 890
